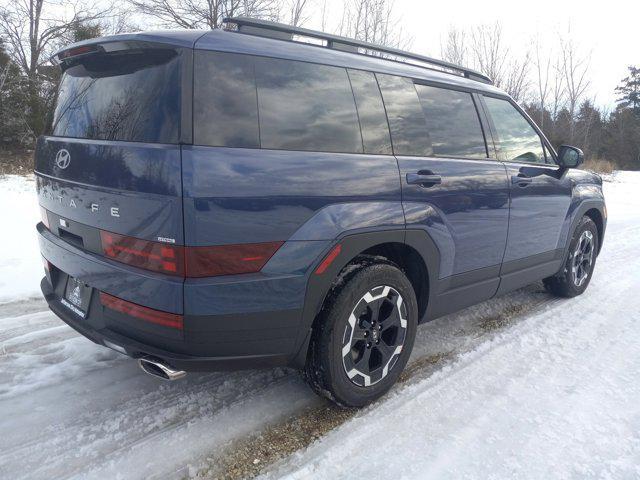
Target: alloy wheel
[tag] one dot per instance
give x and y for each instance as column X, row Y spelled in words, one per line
column 582, row 258
column 374, row 335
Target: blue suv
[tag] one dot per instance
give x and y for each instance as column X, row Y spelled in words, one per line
column 267, row 195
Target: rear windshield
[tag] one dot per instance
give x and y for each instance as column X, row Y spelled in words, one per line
column 129, row 96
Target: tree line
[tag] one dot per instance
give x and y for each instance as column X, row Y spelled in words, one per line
column 553, row 84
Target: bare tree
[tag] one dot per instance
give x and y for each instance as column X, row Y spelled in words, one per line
column 558, row 90
column 373, row 21
column 323, row 16
column 32, row 30
column 486, row 50
column 296, row 12
column 575, row 71
column 542, row 79
column 516, row 80
column 454, row 49
column 209, row 14
column 490, row 53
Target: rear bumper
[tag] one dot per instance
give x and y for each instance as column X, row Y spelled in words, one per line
column 252, row 322
column 135, row 349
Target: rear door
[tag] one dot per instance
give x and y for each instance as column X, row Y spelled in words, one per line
column 450, row 186
column 112, row 162
column 540, row 192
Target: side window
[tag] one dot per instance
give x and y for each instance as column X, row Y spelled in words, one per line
column 225, row 107
column 305, row 106
column 408, row 127
column 517, row 140
column 452, row 122
column 373, row 120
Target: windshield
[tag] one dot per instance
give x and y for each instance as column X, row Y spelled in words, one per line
column 129, row 96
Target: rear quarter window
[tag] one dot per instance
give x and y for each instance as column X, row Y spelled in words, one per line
column 304, row 106
column 133, row 95
column 225, row 107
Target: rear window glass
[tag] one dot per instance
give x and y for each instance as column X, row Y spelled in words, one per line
column 453, row 122
column 373, row 120
column 129, row 96
column 225, row 107
column 406, row 121
column 305, row 106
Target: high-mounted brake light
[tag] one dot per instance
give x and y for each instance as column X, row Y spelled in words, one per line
column 155, row 256
column 74, row 52
column 229, row 259
column 147, row 314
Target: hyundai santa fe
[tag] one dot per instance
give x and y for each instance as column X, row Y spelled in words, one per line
column 266, row 195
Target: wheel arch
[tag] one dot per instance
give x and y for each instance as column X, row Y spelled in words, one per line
column 597, row 217
column 594, row 209
column 412, row 250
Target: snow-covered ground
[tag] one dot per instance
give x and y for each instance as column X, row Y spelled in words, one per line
column 20, row 261
column 535, row 387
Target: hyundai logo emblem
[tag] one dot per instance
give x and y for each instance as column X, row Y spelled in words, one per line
column 63, row 158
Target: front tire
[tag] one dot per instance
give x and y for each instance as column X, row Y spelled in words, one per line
column 576, row 273
column 364, row 334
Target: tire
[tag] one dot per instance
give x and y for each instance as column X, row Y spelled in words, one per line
column 372, row 310
column 576, row 273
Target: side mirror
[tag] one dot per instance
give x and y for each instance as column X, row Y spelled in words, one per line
column 570, row 157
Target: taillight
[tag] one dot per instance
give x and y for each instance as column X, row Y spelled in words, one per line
column 188, row 261
column 147, row 314
column 45, row 217
column 158, row 257
column 229, row 259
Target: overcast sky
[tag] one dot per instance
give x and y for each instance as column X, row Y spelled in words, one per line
column 607, row 31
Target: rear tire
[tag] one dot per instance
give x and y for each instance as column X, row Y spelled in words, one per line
column 364, row 335
column 576, row 273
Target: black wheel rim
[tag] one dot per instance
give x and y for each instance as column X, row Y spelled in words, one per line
column 582, row 258
column 374, row 336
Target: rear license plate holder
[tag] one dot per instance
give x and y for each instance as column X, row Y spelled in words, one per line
column 77, row 297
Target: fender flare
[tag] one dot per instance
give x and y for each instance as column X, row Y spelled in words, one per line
column 580, row 211
column 352, row 245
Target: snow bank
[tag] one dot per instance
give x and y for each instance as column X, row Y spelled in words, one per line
column 20, row 261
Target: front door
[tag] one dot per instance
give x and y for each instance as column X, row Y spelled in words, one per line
column 540, row 191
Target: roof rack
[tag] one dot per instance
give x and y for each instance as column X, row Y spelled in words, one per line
column 281, row 31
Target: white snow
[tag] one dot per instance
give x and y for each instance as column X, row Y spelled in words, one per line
column 554, row 395
column 20, row 261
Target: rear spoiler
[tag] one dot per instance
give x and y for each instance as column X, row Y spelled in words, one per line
column 127, row 41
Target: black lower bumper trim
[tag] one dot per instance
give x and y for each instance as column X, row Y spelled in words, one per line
column 135, row 349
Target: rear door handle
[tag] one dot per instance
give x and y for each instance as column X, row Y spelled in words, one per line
column 424, row 180
column 521, row 180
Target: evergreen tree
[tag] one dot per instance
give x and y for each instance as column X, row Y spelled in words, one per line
column 629, row 90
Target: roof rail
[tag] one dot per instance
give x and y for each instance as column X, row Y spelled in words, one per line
column 281, row 31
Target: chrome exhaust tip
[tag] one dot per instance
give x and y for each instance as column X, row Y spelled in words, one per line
column 158, row 369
